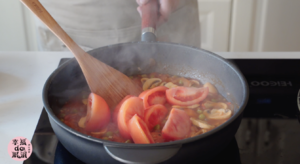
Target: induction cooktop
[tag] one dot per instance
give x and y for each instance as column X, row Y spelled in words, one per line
column 269, row 132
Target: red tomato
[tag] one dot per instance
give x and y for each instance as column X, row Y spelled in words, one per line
column 142, row 95
column 98, row 113
column 139, row 131
column 177, row 126
column 129, row 108
column 154, row 96
column 186, row 95
column 117, row 108
column 154, row 115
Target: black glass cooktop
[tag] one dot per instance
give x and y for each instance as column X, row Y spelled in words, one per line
column 269, row 132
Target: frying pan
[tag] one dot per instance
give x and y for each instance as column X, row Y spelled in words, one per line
column 137, row 58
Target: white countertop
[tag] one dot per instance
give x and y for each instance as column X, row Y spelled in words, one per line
column 22, row 77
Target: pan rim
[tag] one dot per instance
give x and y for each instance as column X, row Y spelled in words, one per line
column 240, row 110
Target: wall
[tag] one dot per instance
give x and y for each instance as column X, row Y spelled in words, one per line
column 12, row 33
column 226, row 25
column 265, row 25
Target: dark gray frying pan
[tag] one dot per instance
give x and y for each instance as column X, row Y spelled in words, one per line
column 134, row 58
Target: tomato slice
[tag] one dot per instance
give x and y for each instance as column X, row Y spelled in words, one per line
column 177, row 126
column 186, row 95
column 129, row 108
column 154, row 96
column 154, row 115
column 117, row 108
column 142, row 95
column 98, row 113
column 139, row 131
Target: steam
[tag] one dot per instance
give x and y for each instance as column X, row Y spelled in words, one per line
column 70, row 82
column 134, row 58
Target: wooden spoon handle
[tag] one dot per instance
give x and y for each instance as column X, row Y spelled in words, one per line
column 102, row 79
column 38, row 9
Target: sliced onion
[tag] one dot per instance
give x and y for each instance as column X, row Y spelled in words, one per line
column 217, row 114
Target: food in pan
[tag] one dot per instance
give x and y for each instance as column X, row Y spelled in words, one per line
column 170, row 108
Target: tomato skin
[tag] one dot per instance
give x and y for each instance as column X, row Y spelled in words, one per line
column 154, row 115
column 98, row 113
column 117, row 108
column 186, row 95
column 177, row 126
column 129, row 108
column 139, row 131
column 143, row 94
column 154, row 96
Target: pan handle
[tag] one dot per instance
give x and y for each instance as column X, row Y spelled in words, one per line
column 142, row 155
column 149, row 18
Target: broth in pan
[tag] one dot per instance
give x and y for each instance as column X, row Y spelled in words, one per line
column 170, row 108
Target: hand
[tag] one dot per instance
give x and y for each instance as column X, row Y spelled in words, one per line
column 166, row 7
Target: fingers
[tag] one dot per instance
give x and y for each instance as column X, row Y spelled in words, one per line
column 166, row 7
column 141, row 2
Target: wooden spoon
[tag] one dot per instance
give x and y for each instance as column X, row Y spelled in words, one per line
column 102, row 79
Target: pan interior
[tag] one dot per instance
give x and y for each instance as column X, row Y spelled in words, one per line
column 138, row 58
